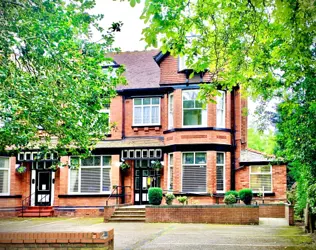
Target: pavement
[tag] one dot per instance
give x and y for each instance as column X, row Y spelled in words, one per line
column 270, row 234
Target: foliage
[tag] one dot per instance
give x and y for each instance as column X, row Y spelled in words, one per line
column 155, row 195
column 291, row 196
column 311, row 194
column 169, row 198
column 263, row 142
column 156, row 164
column 233, row 192
column 125, row 166
column 230, row 199
column 245, row 195
column 183, row 199
column 21, row 169
column 52, row 84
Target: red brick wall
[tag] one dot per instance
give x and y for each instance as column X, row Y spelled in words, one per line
column 289, row 214
column 116, row 117
column 60, row 240
column 219, row 214
column 108, row 212
column 272, row 210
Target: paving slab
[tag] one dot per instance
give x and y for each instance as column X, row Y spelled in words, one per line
column 173, row 235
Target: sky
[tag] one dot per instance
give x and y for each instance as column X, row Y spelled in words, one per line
column 129, row 39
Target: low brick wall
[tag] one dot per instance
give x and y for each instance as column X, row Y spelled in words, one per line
column 218, row 214
column 78, row 211
column 272, row 210
column 108, row 212
column 61, row 240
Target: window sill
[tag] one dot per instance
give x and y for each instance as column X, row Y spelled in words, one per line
column 196, row 129
column 84, row 195
column 255, row 194
column 146, row 126
column 7, row 196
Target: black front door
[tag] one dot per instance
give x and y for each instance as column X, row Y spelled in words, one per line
column 43, row 187
column 145, row 178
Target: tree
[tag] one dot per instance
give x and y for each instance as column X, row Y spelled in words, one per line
column 52, row 84
column 267, row 47
column 263, row 142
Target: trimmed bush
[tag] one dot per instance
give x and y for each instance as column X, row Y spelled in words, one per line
column 155, row 195
column 230, row 199
column 245, row 195
column 169, row 198
column 233, row 192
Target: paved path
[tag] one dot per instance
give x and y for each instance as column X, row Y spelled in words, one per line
column 174, row 236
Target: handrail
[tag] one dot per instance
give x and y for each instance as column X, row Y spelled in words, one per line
column 26, row 202
column 115, row 188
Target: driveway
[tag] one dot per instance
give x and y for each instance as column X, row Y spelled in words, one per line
column 172, row 235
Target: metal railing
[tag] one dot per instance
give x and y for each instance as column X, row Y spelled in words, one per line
column 26, row 202
column 117, row 194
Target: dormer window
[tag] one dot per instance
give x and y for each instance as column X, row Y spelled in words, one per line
column 182, row 63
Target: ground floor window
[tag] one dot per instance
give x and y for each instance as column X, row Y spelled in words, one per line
column 4, row 175
column 92, row 176
column 194, row 172
column 170, row 172
column 220, row 172
column 261, row 178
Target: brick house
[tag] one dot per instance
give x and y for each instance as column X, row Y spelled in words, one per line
column 203, row 150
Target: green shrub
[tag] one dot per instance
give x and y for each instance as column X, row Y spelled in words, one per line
column 169, row 198
column 183, row 199
column 230, row 199
column 233, row 192
column 245, row 195
column 155, row 195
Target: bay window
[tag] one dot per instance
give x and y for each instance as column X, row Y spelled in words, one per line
column 4, row 175
column 194, row 172
column 193, row 113
column 170, row 172
column 92, row 176
column 261, row 178
column 146, row 111
column 220, row 172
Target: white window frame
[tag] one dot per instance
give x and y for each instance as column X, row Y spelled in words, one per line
column 205, row 164
column 147, row 105
column 221, row 123
column 169, row 171
column 182, row 65
column 264, row 173
column 224, row 173
column 101, row 175
column 170, row 111
column 9, row 175
column 203, row 113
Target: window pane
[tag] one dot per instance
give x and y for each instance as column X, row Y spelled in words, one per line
column 259, row 181
column 74, row 181
column 188, row 104
column 4, row 163
column 4, row 174
column 260, row 169
column 106, row 180
column 200, row 158
column 192, row 117
column 138, row 101
column 220, row 158
column 138, row 115
column 171, row 178
column 74, row 161
column 106, row 160
column 171, row 159
column 188, row 158
column 90, row 180
column 155, row 100
column 194, row 179
column 96, row 160
column 146, row 115
column 146, row 101
column 87, row 162
column 219, row 178
column 198, row 104
column 155, row 114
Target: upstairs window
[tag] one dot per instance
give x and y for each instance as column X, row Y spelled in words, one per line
column 106, row 113
column 194, row 172
column 220, row 110
column 146, row 111
column 261, row 178
column 4, row 176
column 170, row 112
column 93, row 175
column 193, row 113
column 182, row 65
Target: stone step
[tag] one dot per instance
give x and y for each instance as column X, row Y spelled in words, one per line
column 130, row 212
column 130, row 209
column 127, row 219
column 127, row 216
column 36, row 214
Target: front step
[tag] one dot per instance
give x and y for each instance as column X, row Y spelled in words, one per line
column 129, row 214
column 38, row 211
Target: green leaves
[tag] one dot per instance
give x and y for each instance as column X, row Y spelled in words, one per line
column 51, row 76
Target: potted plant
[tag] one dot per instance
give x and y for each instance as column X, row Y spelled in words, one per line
column 155, row 195
column 245, row 195
column 21, row 169
column 230, row 199
column 183, row 200
column 169, row 198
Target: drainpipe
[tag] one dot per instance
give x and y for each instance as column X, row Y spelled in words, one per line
column 233, row 141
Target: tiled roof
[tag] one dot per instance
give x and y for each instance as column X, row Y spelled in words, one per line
column 131, row 143
column 141, row 69
column 250, row 155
